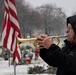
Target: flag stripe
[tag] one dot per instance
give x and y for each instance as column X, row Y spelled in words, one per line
column 11, row 30
column 9, row 44
column 7, row 32
column 5, row 16
column 12, row 7
column 14, row 13
column 6, row 6
column 14, row 21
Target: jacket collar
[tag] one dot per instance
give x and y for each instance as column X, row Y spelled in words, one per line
column 69, row 44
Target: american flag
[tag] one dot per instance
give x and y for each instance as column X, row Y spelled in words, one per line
column 11, row 30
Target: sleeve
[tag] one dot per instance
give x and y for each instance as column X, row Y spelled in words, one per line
column 54, row 56
column 47, row 55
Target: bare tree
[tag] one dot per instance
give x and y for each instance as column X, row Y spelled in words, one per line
column 54, row 19
column 29, row 19
column 23, row 13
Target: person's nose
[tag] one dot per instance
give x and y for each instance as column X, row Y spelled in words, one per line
column 67, row 30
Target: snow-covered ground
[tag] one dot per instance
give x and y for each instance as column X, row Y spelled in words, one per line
column 6, row 69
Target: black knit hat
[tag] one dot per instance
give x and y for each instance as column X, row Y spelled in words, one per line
column 72, row 21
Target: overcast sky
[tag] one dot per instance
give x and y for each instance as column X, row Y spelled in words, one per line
column 68, row 6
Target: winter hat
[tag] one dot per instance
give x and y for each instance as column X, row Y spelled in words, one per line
column 72, row 21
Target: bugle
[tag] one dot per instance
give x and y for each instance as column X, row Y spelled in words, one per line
column 22, row 40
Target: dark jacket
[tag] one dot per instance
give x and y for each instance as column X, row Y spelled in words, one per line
column 64, row 59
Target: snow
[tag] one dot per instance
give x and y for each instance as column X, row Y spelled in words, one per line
column 6, row 69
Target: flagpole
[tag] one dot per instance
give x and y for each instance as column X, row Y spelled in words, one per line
column 9, row 57
column 14, row 68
